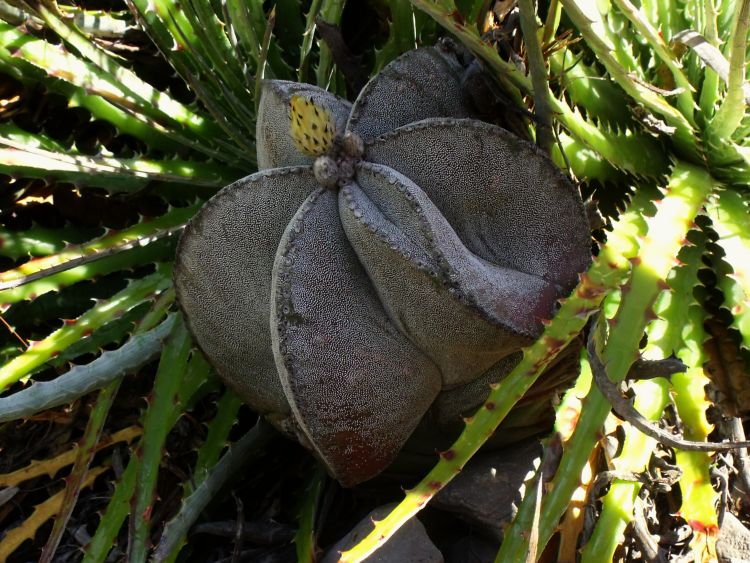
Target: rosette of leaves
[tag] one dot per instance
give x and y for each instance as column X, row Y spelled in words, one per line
column 389, row 261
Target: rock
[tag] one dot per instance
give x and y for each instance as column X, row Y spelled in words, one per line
column 487, row 492
column 471, row 549
column 409, row 545
column 733, row 545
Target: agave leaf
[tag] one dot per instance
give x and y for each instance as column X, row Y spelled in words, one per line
column 687, row 190
column 289, row 28
column 113, row 331
column 330, row 12
column 113, row 517
column 208, row 457
column 307, row 41
column 733, row 107
column 230, row 463
column 175, row 35
column 139, row 234
column 40, row 241
column 210, row 35
column 216, row 438
column 155, row 252
column 176, row 369
column 567, row 414
column 677, row 323
column 119, row 507
column 304, row 540
column 679, row 315
column 679, row 330
column 229, row 100
column 163, row 106
column 661, row 49
column 22, row 50
column 97, row 23
column 140, row 318
column 580, row 11
column 652, row 397
column 84, row 456
column 250, row 21
column 539, row 78
column 51, row 466
column 600, row 98
column 402, row 33
column 41, row 351
column 584, row 162
column 110, row 173
column 729, row 214
column 637, row 154
column 127, row 120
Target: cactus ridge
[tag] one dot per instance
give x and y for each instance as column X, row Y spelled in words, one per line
column 361, row 429
column 374, row 111
column 236, row 217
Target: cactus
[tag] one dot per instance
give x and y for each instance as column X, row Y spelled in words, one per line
column 352, row 202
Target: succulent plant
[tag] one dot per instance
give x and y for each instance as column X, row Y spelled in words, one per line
column 389, row 261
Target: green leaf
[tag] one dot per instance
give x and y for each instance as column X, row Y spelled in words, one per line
column 42, row 351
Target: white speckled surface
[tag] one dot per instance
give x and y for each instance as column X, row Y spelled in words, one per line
column 222, row 276
column 356, row 385
column 508, row 203
column 419, row 84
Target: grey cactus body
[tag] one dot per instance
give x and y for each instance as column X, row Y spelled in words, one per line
column 354, row 301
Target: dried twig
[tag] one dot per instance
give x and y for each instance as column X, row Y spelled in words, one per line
column 349, row 64
column 651, row 369
column 649, row 547
column 736, row 433
column 623, row 407
column 239, row 524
